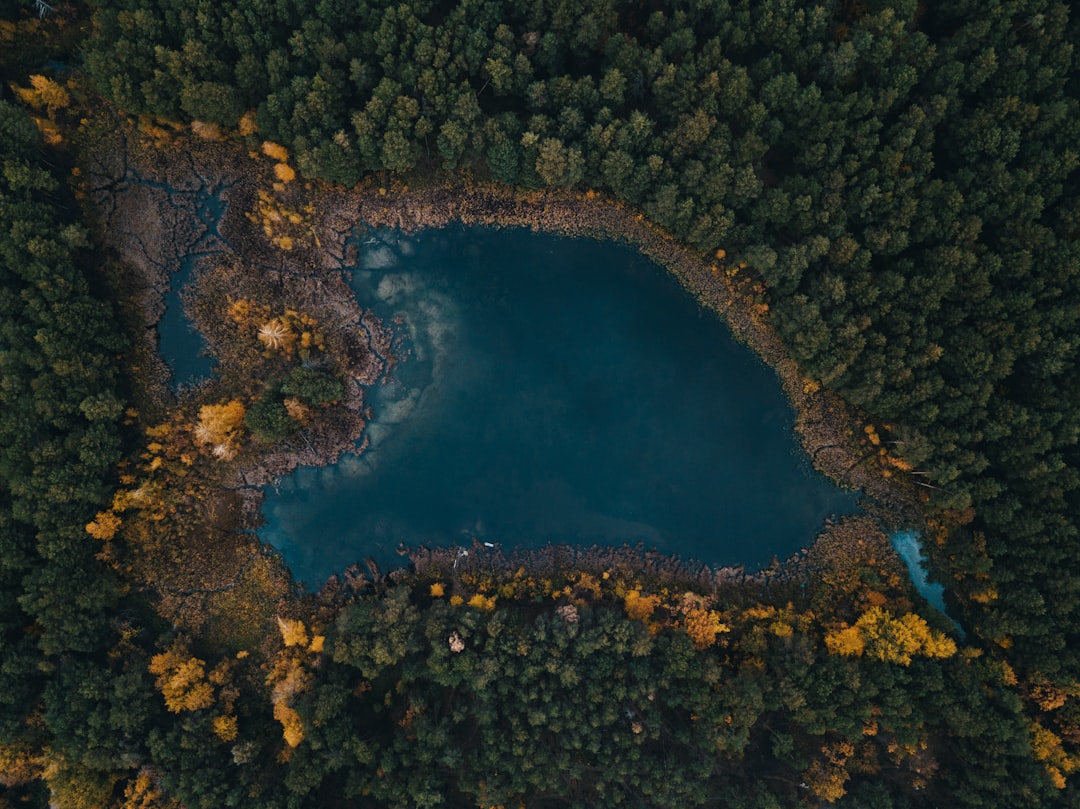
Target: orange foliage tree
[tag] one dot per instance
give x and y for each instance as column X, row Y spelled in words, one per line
column 826, row 778
column 104, row 526
column 43, row 92
column 640, row 607
column 288, row 679
column 293, row 632
column 220, row 426
column 1048, row 749
column 893, row 640
column 143, row 791
column 181, row 679
column 700, row 623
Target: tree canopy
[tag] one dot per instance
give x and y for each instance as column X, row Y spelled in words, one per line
column 900, row 179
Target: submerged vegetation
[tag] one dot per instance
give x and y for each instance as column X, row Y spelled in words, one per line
column 892, row 187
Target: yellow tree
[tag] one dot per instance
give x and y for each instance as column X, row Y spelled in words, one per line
column 893, row 640
column 275, row 151
column 288, row 679
column 699, row 622
column 479, row 601
column 248, row 124
column 225, row 727
column 143, row 791
column 181, row 679
column 43, row 92
column 846, row 641
column 219, row 426
column 104, row 526
column 640, row 607
column 826, row 778
column 293, row 632
column 1048, row 749
column 284, row 172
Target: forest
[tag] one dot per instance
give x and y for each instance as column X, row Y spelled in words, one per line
column 899, row 179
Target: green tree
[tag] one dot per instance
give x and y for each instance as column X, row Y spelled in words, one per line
column 268, row 419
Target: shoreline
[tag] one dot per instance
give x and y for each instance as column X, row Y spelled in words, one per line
column 311, row 272
column 823, row 422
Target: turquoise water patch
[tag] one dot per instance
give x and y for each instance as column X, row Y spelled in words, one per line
column 553, row 390
column 907, row 544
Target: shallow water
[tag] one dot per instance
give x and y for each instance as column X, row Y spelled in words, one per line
column 183, row 347
column 553, row 390
column 908, row 545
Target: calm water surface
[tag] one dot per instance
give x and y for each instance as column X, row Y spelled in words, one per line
column 553, row 390
column 183, row 347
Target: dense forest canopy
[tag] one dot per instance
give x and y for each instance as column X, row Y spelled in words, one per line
column 59, row 442
column 901, row 177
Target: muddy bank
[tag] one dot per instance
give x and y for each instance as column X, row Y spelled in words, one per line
column 286, row 246
column 154, row 210
column 824, row 423
column 838, row 558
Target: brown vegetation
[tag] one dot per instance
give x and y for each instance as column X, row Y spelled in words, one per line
column 262, row 303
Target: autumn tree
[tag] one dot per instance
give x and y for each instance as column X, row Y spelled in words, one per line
column 44, row 92
column 219, row 427
column 893, row 640
column 702, row 624
column 181, row 679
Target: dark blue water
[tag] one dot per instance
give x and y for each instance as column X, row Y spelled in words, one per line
column 184, row 349
column 182, row 346
column 554, row 390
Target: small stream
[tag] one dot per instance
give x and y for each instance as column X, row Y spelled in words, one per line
column 908, row 545
column 184, row 348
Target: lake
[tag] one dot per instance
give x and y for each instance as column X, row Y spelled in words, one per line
column 552, row 390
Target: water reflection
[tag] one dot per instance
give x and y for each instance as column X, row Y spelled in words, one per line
column 553, row 390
